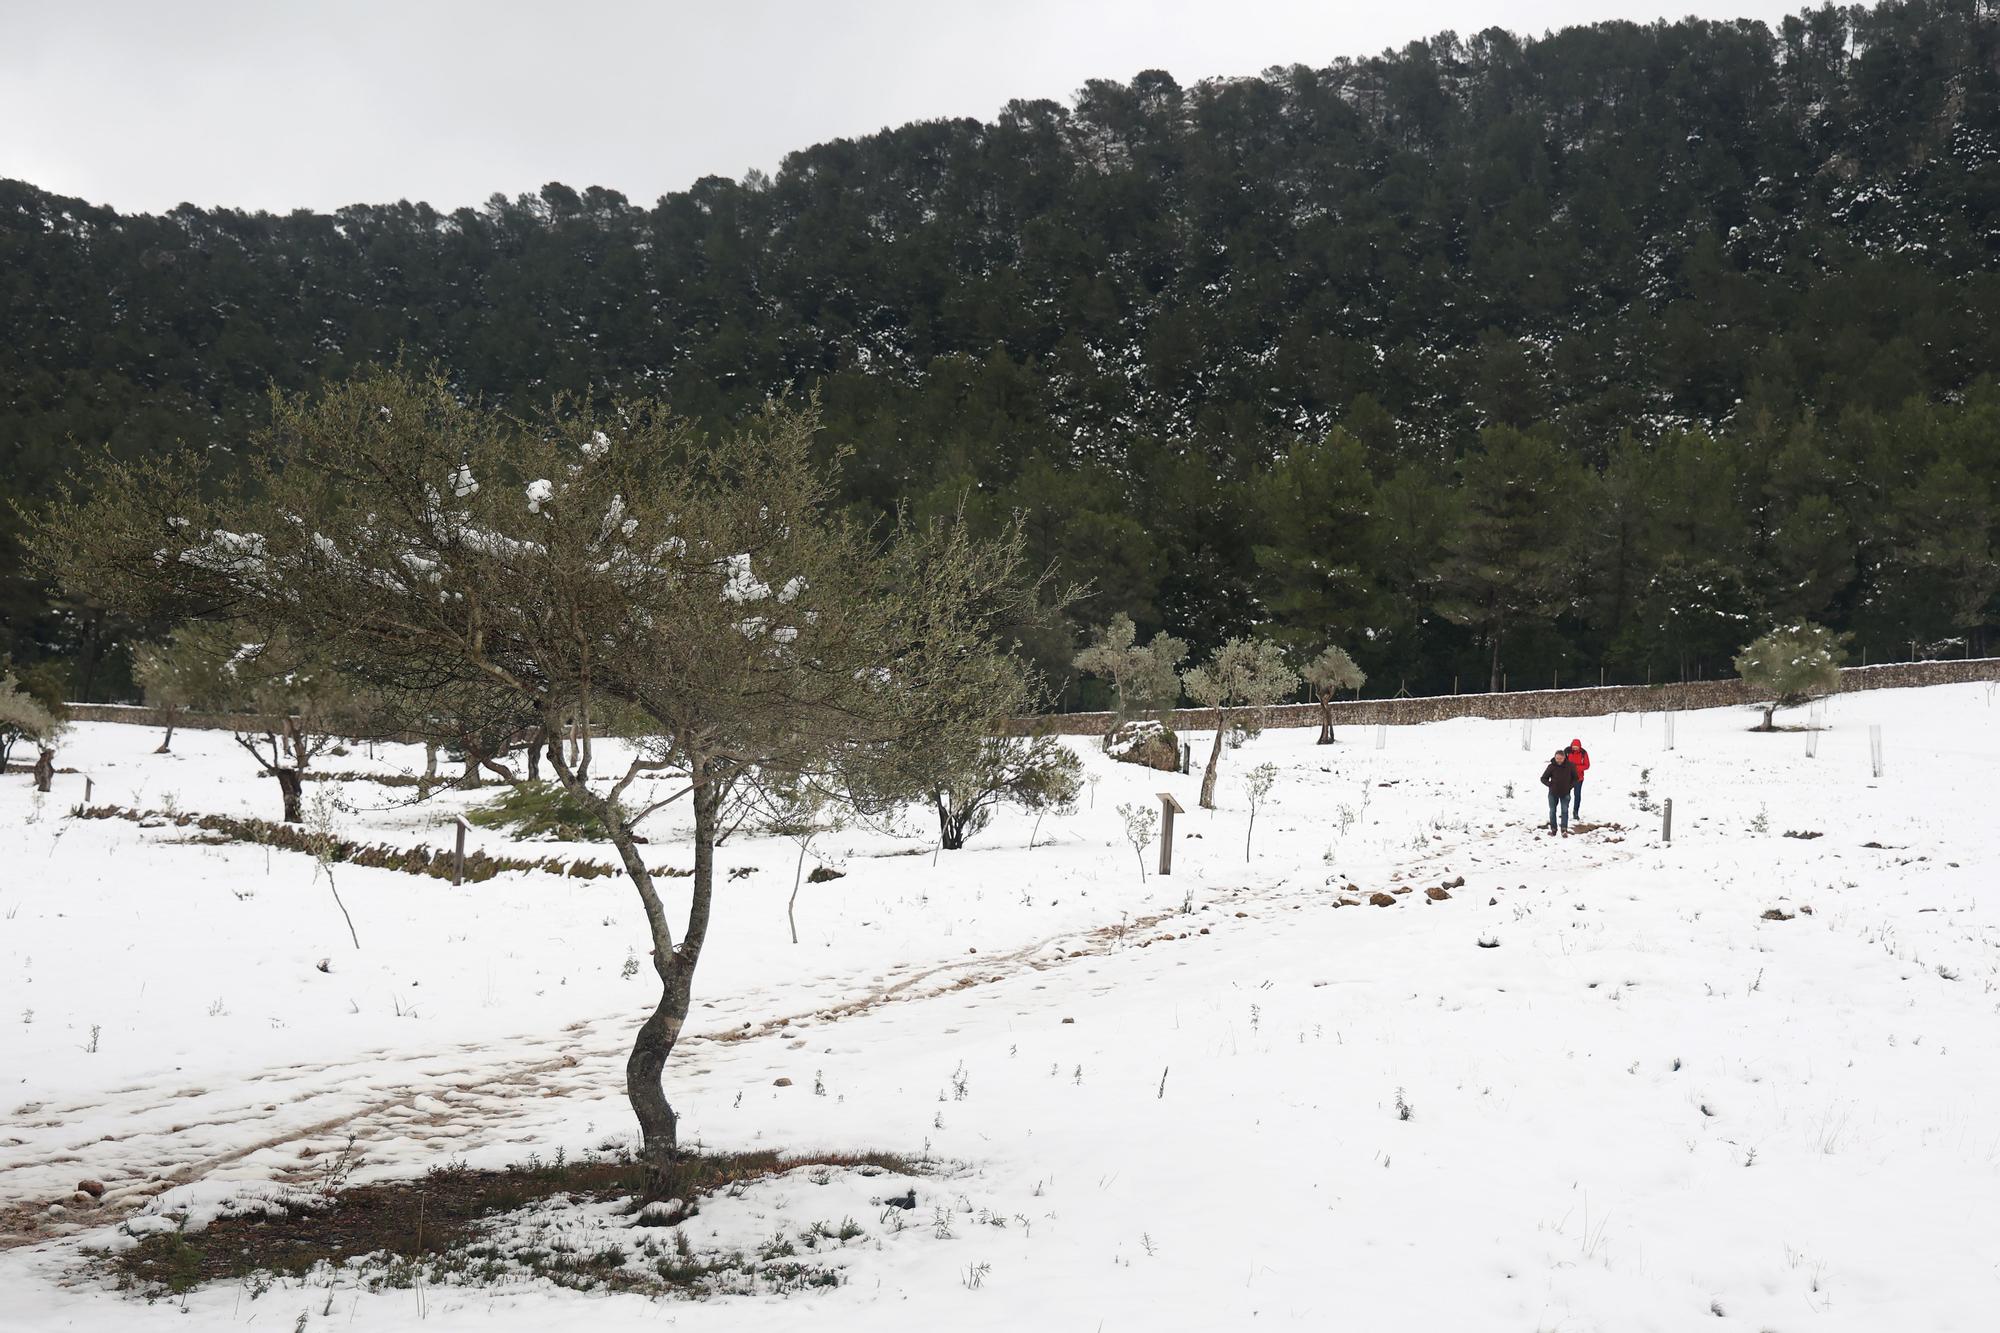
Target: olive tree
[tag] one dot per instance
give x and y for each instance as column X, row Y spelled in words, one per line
column 1328, row 674
column 1036, row 773
column 1143, row 680
column 1243, row 674
column 177, row 676
column 583, row 560
column 24, row 717
column 1790, row 666
column 285, row 704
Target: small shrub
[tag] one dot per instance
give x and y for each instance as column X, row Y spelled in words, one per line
column 541, row 810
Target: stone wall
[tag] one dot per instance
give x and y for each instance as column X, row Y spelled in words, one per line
column 1594, row 701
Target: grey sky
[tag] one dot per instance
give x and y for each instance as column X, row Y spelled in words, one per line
column 280, row 103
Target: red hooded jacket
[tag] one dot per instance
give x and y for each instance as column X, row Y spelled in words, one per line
column 1579, row 759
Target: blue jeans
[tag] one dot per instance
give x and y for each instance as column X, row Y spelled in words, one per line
column 1558, row 805
column 1576, row 800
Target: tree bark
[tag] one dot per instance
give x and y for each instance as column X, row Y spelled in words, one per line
column 792, row 903
column 1768, row 710
column 45, row 769
column 1214, row 762
column 292, row 786
column 1493, row 680
column 1325, row 721
column 167, row 741
column 951, row 825
column 658, row 1125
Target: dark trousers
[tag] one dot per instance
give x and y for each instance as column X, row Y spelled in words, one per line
column 1576, row 800
column 1558, row 806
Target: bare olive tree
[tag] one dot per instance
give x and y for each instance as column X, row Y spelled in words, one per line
column 1243, row 674
column 582, row 562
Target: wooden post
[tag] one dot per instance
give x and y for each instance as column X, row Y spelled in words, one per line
column 1667, row 820
column 458, row 861
column 1169, row 807
column 86, row 789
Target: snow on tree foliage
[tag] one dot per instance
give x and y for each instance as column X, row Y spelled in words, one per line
column 889, row 642
column 1791, row 666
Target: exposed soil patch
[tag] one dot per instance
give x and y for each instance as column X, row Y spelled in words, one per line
column 429, row 1229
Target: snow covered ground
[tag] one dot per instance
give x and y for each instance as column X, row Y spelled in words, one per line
column 1646, row 1106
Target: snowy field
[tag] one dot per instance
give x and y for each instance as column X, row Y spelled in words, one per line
column 1646, row 1106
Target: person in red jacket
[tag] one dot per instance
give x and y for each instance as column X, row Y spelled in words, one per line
column 1579, row 761
column 1560, row 779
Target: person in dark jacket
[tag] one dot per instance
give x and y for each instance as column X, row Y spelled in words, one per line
column 1560, row 779
column 1579, row 761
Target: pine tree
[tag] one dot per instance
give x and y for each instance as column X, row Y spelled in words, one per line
column 1791, row 666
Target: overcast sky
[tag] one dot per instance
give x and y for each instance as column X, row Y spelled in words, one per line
column 281, row 104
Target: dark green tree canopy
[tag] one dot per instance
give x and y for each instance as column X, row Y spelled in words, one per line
column 1743, row 275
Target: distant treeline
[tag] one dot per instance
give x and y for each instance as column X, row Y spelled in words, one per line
column 1604, row 350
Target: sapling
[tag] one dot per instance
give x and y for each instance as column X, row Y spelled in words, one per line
column 1257, row 786
column 324, row 839
column 799, row 812
column 1140, row 822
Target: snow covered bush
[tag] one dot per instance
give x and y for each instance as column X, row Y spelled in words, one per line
column 1147, row 742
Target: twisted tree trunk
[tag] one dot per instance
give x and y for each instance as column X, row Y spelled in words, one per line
column 292, row 786
column 1214, row 762
column 658, row 1125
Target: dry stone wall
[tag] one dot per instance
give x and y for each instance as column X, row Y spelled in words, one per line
column 1595, row 701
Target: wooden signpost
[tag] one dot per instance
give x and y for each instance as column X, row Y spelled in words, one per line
column 1169, row 807
column 458, row 861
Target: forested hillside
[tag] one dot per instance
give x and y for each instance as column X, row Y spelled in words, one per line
column 1601, row 350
